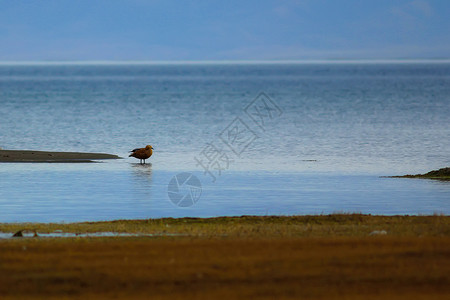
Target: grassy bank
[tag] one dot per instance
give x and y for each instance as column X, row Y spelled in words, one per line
column 441, row 174
column 315, row 257
column 265, row 226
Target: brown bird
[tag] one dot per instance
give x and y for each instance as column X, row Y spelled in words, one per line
column 142, row 153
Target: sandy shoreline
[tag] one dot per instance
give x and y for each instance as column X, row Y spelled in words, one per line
column 51, row 156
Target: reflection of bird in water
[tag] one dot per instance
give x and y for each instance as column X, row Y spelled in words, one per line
column 143, row 176
column 142, row 153
column 143, row 170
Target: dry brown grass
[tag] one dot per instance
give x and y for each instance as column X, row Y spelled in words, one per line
column 321, row 257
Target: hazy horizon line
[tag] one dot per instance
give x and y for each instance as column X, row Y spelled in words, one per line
column 212, row 62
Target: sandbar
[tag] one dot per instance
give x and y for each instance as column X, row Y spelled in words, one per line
column 51, row 156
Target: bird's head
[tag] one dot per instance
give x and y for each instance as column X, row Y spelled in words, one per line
column 148, row 147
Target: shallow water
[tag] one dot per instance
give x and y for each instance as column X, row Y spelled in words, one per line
column 126, row 190
column 329, row 132
column 29, row 234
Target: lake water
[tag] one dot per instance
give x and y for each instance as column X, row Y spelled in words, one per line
column 261, row 139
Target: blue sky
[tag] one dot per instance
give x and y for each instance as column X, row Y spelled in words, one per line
column 224, row 30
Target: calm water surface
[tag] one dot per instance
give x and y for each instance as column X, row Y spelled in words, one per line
column 330, row 132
